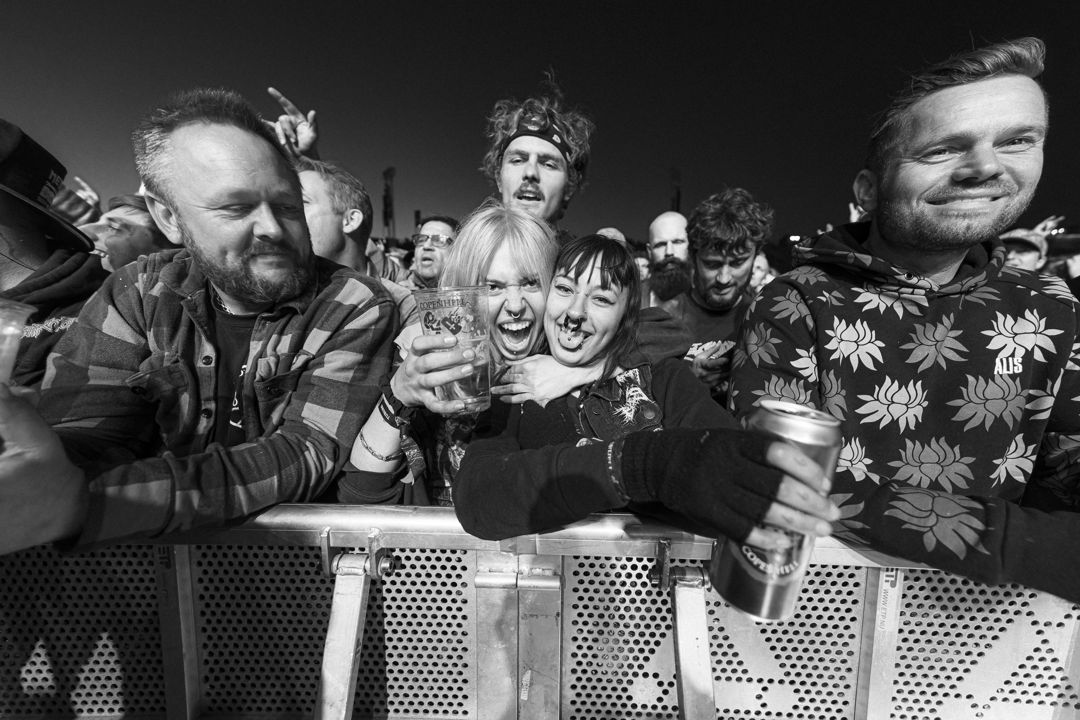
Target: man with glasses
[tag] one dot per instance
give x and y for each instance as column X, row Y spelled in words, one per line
column 431, row 244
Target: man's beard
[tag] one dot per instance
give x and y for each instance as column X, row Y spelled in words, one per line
column 240, row 282
column 670, row 278
column 901, row 227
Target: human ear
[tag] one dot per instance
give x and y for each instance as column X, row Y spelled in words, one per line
column 865, row 188
column 165, row 218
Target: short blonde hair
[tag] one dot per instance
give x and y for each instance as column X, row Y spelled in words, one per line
column 491, row 226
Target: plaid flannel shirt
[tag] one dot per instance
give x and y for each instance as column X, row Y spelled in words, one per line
column 131, row 390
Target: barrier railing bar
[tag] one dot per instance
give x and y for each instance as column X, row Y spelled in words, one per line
column 614, row 534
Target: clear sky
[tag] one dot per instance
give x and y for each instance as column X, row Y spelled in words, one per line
column 775, row 97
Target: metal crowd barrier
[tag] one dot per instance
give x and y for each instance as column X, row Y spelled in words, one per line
column 374, row 612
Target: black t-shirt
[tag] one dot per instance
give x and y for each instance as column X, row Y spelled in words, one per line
column 232, row 336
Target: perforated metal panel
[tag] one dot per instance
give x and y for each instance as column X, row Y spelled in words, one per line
column 803, row 668
column 968, row 650
column 617, row 632
column 263, row 617
column 80, row 635
column 618, row 636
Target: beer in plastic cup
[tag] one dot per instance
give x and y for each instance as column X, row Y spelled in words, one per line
column 463, row 313
column 13, row 317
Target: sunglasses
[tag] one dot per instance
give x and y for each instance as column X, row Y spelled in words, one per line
column 439, row 241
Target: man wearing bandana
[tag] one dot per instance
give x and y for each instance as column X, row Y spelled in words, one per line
column 538, row 155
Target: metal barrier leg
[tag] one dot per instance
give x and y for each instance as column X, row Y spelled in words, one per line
column 877, row 661
column 344, row 637
column 539, row 636
column 693, row 660
column 496, row 635
column 179, row 634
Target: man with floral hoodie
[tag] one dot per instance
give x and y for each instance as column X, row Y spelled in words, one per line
column 956, row 378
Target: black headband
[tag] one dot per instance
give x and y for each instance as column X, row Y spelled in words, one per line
column 543, row 126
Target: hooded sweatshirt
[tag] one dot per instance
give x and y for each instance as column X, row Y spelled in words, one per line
column 57, row 291
column 959, row 404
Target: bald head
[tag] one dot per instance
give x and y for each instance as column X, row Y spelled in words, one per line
column 667, row 237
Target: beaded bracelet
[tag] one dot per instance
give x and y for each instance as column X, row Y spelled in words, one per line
column 378, row 456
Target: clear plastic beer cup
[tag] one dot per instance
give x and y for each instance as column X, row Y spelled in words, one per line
column 463, row 313
column 13, row 317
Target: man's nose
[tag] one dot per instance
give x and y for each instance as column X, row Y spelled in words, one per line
column 980, row 163
column 265, row 223
column 531, row 169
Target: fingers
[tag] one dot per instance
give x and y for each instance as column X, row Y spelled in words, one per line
column 788, row 518
column 793, row 462
column 802, row 499
column 424, row 344
column 769, row 539
column 290, row 109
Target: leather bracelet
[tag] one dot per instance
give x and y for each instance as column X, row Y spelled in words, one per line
column 378, row 456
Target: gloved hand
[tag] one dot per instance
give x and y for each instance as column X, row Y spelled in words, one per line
column 728, row 480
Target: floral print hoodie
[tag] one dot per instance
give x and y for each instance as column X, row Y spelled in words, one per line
column 959, row 404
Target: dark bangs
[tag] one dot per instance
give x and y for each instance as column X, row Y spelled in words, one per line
column 616, row 265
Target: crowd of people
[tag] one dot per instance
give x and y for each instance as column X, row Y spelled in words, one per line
column 231, row 337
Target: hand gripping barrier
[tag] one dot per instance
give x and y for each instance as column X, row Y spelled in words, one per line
column 376, row 612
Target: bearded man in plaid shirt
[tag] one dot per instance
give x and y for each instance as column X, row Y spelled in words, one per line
column 206, row 383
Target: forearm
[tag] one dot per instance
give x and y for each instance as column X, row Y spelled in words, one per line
column 500, row 492
column 167, row 494
column 987, row 539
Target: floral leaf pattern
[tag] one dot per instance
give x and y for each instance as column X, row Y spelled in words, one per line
column 780, row 389
column 948, row 520
column 790, row 307
column 856, row 343
column 1016, row 463
column 893, row 402
column 952, row 397
column 934, row 343
column 1019, row 335
column 988, row 398
column 853, row 459
column 934, row 464
column 806, row 364
column 760, row 345
column 884, row 299
column 833, row 395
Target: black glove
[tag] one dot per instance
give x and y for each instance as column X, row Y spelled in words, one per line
column 717, row 478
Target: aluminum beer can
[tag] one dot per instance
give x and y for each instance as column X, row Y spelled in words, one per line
column 765, row 583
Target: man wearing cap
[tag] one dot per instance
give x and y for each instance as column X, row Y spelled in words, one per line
column 206, row 383
column 1026, row 249
column 538, row 155
column 44, row 260
column 125, row 232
